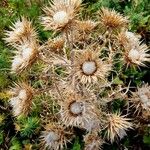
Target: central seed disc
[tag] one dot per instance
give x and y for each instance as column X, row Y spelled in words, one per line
column 61, row 17
column 76, row 108
column 52, row 136
column 89, row 67
column 134, row 54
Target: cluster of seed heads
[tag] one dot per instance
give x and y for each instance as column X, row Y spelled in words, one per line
column 85, row 51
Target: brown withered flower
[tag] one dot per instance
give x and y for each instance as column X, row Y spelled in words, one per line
column 93, row 141
column 116, row 126
column 79, row 111
column 86, row 25
column 60, row 15
column 25, row 55
column 89, row 68
column 21, row 100
column 55, row 136
column 55, row 45
column 141, row 99
column 21, row 30
column 110, row 19
column 136, row 55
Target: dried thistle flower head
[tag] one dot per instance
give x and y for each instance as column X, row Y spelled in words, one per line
column 85, row 26
column 110, row 19
column 21, row 30
column 93, row 141
column 21, row 100
column 141, row 99
column 26, row 54
column 117, row 126
column 60, row 14
column 56, row 44
column 89, row 68
column 82, row 31
column 136, row 55
column 77, row 110
column 128, row 38
column 55, row 136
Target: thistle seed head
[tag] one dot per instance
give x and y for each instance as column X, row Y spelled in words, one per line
column 89, row 68
column 21, row 100
column 55, row 136
column 141, row 99
column 117, row 126
column 78, row 112
column 110, row 19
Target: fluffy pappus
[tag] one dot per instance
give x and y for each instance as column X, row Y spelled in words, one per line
column 135, row 53
column 127, row 37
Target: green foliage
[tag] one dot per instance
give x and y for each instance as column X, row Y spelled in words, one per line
column 138, row 13
column 134, row 75
column 117, row 81
column 118, row 105
column 146, row 139
column 28, row 126
column 117, row 4
column 76, row 145
column 1, row 137
column 3, row 80
column 2, row 117
column 15, row 144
